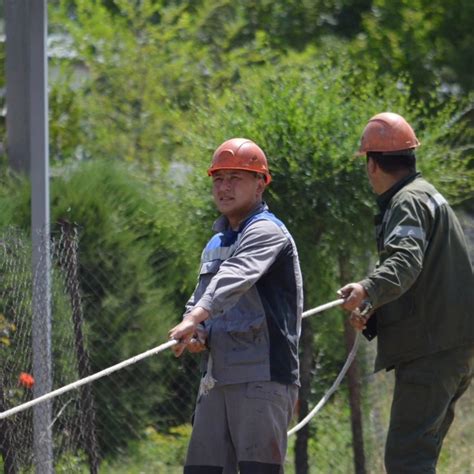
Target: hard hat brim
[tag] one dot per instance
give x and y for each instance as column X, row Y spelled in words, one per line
column 265, row 174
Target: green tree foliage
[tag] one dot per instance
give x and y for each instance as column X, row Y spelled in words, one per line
column 286, row 24
column 431, row 41
column 65, row 118
column 145, row 64
column 138, row 68
column 133, row 81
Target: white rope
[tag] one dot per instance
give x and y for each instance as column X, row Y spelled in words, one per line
column 125, row 363
column 342, row 373
column 323, row 307
column 85, row 380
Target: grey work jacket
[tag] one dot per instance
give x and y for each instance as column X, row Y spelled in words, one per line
column 250, row 282
column 423, row 285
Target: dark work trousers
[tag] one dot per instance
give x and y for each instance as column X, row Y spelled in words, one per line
column 425, row 394
column 241, row 428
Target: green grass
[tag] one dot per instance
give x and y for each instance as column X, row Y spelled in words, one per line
column 154, row 453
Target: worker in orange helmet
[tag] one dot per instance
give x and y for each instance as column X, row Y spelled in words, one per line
column 246, row 312
column 418, row 300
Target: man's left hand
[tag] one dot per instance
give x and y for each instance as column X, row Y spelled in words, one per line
column 357, row 320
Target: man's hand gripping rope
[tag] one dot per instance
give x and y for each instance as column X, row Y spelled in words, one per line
column 188, row 334
column 356, row 300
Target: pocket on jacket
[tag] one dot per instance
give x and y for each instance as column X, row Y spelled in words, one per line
column 243, row 326
column 246, row 341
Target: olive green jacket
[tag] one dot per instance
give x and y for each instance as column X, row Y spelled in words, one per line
column 422, row 289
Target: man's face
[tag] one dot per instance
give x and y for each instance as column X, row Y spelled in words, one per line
column 236, row 193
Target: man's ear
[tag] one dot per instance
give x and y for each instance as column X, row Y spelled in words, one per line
column 371, row 165
column 261, row 185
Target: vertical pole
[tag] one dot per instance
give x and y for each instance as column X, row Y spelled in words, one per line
column 39, row 175
column 27, row 126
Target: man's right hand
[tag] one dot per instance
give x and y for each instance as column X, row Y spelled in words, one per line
column 354, row 294
column 186, row 329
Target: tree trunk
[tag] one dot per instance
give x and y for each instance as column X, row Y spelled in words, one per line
column 88, row 424
column 306, row 365
column 353, row 381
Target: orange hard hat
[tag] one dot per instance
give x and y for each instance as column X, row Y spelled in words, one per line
column 387, row 133
column 240, row 154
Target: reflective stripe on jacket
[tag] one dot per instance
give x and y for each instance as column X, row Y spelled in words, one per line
column 423, row 285
column 250, row 282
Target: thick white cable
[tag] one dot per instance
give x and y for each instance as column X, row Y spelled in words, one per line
column 85, row 380
column 323, row 307
column 333, row 388
column 125, row 363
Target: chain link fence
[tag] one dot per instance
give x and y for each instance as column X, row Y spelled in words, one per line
column 137, row 420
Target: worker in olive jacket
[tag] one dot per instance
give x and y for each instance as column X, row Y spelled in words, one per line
column 419, row 300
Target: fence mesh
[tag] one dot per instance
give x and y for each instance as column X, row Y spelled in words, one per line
column 137, row 420
column 17, row 378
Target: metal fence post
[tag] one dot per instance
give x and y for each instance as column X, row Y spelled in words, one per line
column 27, row 127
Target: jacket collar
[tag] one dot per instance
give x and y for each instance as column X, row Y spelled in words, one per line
column 384, row 199
column 222, row 223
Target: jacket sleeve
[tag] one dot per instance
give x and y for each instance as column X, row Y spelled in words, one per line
column 405, row 237
column 191, row 302
column 260, row 244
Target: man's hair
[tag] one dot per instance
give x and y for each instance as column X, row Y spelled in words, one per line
column 259, row 175
column 394, row 162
